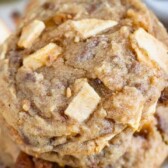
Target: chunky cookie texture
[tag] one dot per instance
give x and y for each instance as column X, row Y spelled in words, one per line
column 26, row 161
column 30, row 33
column 80, row 83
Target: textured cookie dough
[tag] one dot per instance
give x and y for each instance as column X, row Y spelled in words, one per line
column 5, row 31
column 148, row 147
column 79, row 79
column 8, row 149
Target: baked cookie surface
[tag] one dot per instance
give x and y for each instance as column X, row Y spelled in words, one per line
column 79, row 79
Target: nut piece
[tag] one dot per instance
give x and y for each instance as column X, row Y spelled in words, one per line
column 90, row 27
column 150, row 50
column 30, row 33
column 83, row 104
column 42, row 57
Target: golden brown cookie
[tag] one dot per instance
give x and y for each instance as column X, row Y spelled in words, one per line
column 79, row 79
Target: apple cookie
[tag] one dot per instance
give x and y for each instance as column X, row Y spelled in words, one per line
column 79, row 79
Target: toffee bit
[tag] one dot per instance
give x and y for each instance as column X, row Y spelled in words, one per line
column 26, row 105
column 68, row 92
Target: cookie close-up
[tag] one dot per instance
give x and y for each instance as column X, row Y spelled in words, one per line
column 83, row 83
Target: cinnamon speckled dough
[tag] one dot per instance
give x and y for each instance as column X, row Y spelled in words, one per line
column 80, row 78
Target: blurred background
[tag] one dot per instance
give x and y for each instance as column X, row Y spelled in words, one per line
column 9, row 8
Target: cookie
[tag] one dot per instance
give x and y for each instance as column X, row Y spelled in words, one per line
column 8, row 150
column 80, row 79
column 26, row 161
column 5, row 31
column 148, row 146
column 147, row 149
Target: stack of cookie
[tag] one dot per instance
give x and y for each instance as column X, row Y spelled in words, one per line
column 83, row 83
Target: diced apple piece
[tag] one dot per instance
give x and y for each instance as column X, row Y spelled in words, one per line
column 150, row 50
column 42, row 57
column 90, row 27
column 83, row 104
column 30, row 33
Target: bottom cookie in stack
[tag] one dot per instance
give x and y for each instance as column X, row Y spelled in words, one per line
column 147, row 150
